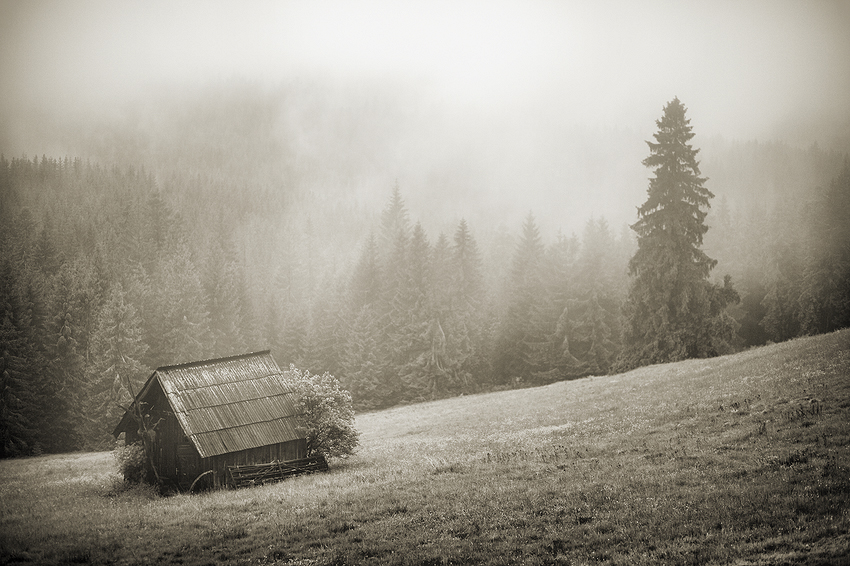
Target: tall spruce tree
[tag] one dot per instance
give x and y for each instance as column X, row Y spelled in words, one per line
column 116, row 351
column 673, row 311
column 469, row 281
column 467, row 340
column 519, row 334
column 19, row 402
column 413, row 317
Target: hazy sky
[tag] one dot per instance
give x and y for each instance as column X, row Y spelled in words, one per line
column 745, row 69
column 741, row 65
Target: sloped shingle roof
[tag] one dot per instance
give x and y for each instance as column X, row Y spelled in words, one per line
column 230, row 404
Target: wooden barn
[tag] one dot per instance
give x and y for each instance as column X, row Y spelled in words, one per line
column 231, row 420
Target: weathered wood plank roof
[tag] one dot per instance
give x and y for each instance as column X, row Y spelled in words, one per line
column 231, row 404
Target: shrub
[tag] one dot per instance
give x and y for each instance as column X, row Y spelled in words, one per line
column 132, row 462
column 328, row 413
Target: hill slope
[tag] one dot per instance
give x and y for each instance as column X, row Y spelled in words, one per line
column 742, row 459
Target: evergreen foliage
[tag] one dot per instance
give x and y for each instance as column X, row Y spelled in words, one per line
column 673, row 311
column 464, row 320
column 365, row 360
column 107, row 272
column 553, row 353
column 366, row 280
column 18, row 393
column 591, row 318
column 783, row 318
column 225, row 302
column 420, row 364
column 826, row 278
column 520, row 334
column 117, row 351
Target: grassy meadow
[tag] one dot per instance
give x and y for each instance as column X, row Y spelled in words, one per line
column 742, row 459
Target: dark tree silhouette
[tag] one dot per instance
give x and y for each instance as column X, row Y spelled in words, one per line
column 673, row 312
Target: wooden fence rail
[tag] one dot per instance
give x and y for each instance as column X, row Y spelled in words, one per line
column 259, row 474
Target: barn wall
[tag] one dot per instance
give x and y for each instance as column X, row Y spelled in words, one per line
column 167, row 440
column 285, row 451
column 167, row 434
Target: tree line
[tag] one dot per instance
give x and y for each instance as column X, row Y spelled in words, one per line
column 102, row 279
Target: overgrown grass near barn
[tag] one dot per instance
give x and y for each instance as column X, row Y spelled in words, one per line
column 743, row 459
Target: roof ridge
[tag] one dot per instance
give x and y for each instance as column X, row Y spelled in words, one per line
column 216, row 360
column 280, row 372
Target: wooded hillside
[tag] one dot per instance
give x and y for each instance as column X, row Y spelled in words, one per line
column 109, row 271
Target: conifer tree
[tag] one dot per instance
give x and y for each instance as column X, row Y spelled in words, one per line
column 117, row 349
column 519, row 335
column 366, row 280
column 395, row 223
column 469, row 282
column 592, row 316
column 441, row 277
column 363, row 361
column 414, row 319
column 221, row 284
column 673, row 311
column 46, row 256
column 272, row 330
column 467, row 340
column 398, row 295
column 783, row 313
column 34, row 330
column 827, row 276
column 440, row 334
column 326, row 335
column 419, row 265
column 19, row 402
column 158, row 228
column 392, row 249
column 178, row 323
column 552, row 354
column 549, row 353
column 783, row 270
column 294, row 334
column 73, row 305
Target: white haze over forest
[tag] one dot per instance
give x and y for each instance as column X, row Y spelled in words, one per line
column 483, row 110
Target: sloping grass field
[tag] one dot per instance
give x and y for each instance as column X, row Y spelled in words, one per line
column 742, row 459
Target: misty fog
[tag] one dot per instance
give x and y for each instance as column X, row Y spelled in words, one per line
column 537, row 106
column 241, row 176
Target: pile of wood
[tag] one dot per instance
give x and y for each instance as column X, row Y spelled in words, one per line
column 259, row 474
